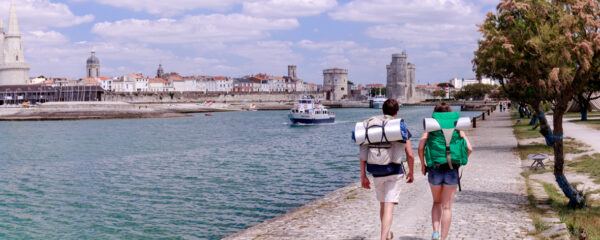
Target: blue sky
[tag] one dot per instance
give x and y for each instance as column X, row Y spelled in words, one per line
column 235, row 37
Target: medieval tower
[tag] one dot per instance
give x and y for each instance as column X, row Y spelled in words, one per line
column 335, row 83
column 93, row 66
column 292, row 71
column 13, row 68
column 400, row 78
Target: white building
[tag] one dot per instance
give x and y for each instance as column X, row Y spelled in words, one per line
column 13, row 68
column 460, row 83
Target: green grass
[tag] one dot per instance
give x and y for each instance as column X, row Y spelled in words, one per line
column 593, row 123
column 587, row 218
column 588, row 164
column 570, row 146
column 578, row 115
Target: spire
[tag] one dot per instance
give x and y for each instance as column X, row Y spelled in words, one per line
column 13, row 25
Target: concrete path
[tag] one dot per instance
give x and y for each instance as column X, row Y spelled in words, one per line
column 581, row 133
column 492, row 204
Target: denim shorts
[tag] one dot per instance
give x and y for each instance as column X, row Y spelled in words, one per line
column 438, row 177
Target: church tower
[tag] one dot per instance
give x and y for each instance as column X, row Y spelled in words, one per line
column 93, row 66
column 160, row 72
column 13, row 68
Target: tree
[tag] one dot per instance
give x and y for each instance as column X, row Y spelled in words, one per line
column 443, row 85
column 376, row 91
column 439, row 93
column 584, row 97
column 543, row 51
column 477, row 91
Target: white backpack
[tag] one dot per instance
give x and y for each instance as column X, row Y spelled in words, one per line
column 382, row 151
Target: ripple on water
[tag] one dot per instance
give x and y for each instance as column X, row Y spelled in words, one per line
column 186, row 178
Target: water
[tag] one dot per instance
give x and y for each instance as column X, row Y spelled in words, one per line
column 184, row 178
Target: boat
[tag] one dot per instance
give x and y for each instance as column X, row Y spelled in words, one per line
column 377, row 101
column 309, row 112
column 208, row 114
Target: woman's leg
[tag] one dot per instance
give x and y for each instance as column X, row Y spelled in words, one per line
column 447, row 199
column 436, row 209
column 386, row 218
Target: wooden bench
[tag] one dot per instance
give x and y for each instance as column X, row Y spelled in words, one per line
column 538, row 160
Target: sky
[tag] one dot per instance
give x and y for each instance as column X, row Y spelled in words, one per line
column 237, row 38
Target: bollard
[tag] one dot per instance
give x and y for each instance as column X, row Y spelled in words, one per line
column 475, row 122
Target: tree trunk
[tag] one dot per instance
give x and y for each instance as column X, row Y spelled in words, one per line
column 584, row 105
column 575, row 197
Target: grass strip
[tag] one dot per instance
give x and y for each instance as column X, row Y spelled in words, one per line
column 577, row 220
column 588, row 164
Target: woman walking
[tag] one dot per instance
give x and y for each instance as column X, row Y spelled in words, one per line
column 443, row 179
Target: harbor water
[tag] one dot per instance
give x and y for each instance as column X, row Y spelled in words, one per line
column 184, row 178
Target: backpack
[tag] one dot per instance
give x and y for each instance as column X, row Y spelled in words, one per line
column 444, row 143
column 381, row 151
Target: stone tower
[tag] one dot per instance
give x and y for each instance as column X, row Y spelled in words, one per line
column 93, row 66
column 292, row 72
column 13, row 68
column 335, row 83
column 160, row 72
column 400, row 78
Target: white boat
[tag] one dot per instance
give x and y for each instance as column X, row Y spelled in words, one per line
column 309, row 112
column 377, row 101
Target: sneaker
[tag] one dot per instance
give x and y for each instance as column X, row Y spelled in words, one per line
column 436, row 236
column 390, row 236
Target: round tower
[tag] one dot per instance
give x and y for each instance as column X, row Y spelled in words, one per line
column 93, row 66
column 335, row 83
column 160, row 72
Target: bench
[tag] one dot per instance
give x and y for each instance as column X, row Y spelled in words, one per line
column 538, row 160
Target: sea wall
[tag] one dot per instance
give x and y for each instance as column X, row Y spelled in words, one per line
column 175, row 97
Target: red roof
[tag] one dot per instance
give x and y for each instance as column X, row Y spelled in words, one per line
column 375, row 85
column 158, row 80
column 220, row 78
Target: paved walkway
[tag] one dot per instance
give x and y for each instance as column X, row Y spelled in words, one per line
column 580, row 132
column 491, row 205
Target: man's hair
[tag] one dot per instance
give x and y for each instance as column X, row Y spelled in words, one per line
column 390, row 107
column 442, row 107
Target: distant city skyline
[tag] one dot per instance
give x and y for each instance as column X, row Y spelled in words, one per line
column 236, row 38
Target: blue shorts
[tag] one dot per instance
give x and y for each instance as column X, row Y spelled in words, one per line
column 438, row 177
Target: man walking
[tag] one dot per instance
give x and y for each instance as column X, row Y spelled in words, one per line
column 387, row 178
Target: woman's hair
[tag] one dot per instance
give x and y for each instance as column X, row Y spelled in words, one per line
column 442, row 107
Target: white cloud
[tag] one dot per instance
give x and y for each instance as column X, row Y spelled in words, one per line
column 43, row 14
column 288, row 8
column 398, row 11
column 265, row 56
column 193, row 29
column 326, row 46
column 419, row 35
column 170, row 7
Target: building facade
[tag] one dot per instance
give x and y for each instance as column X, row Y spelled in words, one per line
column 400, row 78
column 93, row 66
column 335, row 83
column 13, row 68
column 460, row 83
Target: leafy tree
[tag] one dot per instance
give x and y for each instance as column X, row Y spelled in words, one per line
column 375, row 91
column 439, row 93
column 543, row 51
column 443, row 85
column 477, row 91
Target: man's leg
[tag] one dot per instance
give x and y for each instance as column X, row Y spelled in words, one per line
column 386, row 219
column 436, row 209
column 447, row 199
